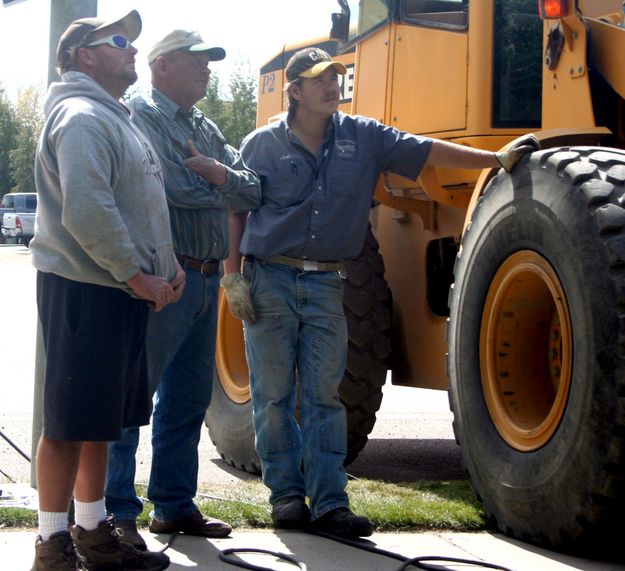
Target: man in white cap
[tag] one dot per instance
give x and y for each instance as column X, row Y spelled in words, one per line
column 205, row 179
column 104, row 256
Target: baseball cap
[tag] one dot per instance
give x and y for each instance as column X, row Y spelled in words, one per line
column 184, row 40
column 311, row 62
column 78, row 31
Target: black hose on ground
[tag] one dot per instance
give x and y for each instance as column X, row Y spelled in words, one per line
column 407, row 562
column 225, row 556
column 3, row 435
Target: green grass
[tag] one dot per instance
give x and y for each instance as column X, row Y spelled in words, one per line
column 17, row 518
column 410, row 506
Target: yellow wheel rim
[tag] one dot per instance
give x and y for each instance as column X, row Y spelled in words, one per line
column 526, row 351
column 230, row 355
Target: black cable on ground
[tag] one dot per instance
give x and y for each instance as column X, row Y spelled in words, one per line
column 366, row 545
column 7, row 477
column 417, row 562
column 224, row 555
column 169, row 542
column 3, row 435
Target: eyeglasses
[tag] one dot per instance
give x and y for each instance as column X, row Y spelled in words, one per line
column 116, row 41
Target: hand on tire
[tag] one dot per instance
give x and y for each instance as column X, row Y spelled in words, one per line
column 237, row 290
column 522, row 146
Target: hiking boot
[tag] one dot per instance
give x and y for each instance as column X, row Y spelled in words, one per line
column 55, row 554
column 290, row 513
column 193, row 524
column 128, row 533
column 101, row 550
column 344, row 523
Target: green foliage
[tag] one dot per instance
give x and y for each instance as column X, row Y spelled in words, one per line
column 213, row 104
column 15, row 517
column 30, row 123
column 8, row 132
column 235, row 114
column 242, row 117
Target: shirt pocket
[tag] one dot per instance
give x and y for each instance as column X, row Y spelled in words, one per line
column 346, row 176
column 286, row 184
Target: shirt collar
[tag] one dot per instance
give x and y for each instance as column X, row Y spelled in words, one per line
column 332, row 123
column 172, row 109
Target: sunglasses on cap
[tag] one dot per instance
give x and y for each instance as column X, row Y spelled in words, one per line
column 115, row 41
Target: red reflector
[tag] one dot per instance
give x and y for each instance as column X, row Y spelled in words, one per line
column 552, row 8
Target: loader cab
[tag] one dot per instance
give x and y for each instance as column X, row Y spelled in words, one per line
column 469, row 83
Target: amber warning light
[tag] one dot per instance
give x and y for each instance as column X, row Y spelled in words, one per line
column 552, row 8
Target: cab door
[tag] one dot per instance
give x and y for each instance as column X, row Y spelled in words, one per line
column 430, row 51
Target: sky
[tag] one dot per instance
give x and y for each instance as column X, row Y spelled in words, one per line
column 251, row 32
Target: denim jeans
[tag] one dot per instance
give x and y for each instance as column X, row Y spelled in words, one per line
column 300, row 336
column 181, row 349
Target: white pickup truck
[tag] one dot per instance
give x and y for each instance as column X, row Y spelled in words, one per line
column 18, row 217
column 18, row 227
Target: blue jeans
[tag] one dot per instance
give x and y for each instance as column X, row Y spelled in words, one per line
column 300, row 336
column 181, row 349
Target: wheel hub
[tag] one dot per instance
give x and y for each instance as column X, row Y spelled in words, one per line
column 526, row 351
column 232, row 370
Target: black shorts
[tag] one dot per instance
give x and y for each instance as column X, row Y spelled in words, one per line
column 96, row 380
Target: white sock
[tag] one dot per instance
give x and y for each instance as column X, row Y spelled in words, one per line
column 51, row 522
column 89, row 515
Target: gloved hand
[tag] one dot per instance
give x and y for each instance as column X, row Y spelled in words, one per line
column 521, row 147
column 237, row 290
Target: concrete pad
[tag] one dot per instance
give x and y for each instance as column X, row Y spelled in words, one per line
column 321, row 554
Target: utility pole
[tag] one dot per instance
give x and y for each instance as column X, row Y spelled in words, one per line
column 62, row 13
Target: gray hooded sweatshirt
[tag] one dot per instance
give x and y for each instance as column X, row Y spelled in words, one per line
column 101, row 213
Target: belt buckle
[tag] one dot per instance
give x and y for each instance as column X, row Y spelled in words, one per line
column 205, row 266
column 310, row 266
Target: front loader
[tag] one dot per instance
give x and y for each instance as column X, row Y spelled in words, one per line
column 507, row 290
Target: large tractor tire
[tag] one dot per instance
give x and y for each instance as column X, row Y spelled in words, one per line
column 368, row 307
column 367, row 303
column 537, row 349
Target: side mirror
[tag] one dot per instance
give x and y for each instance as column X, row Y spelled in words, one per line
column 340, row 27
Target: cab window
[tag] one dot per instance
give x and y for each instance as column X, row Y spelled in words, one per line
column 450, row 14
column 366, row 16
column 517, row 65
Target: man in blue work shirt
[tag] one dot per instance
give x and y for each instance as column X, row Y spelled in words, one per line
column 205, row 179
column 318, row 169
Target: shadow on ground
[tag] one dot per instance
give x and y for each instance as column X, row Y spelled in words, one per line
column 406, row 460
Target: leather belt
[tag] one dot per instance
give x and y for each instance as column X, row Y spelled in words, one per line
column 306, row 265
column 205, row 267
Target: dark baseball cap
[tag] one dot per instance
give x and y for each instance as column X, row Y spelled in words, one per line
column 311, row 62
column 78, row 31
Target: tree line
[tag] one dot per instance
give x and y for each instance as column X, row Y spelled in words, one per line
column 234, row 112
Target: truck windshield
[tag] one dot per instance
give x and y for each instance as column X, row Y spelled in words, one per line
column 365, row 16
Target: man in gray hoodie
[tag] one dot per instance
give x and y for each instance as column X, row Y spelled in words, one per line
column 104, row 255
